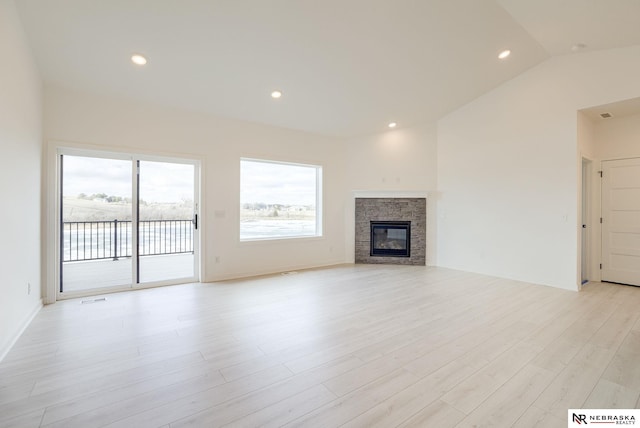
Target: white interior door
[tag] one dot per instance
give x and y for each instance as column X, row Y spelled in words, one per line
column 621, row 221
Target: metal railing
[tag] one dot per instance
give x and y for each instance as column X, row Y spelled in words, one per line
column 98, row 240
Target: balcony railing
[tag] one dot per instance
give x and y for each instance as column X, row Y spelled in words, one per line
column 96, row 240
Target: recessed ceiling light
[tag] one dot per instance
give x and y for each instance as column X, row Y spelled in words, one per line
column 276, row 94
column 504, row 54
column 138, row 59
column 392, row 125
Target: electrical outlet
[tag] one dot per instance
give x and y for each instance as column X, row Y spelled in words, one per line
column 217, row 259
column 28, row 288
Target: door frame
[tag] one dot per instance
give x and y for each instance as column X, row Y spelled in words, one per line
column 53, row 215
column 586, row 224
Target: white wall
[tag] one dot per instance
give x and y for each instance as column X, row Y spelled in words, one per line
column 21, row 142
column 400, row 161
column 75, row 117
column 508, row 169
column 617, row 138
column 587, row 146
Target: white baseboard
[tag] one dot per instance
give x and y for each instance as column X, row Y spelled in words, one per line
column 5, row 350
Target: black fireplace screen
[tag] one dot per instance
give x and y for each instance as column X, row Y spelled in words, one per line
column 391, row 238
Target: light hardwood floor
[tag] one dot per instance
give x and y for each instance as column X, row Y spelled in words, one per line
column 354, row 346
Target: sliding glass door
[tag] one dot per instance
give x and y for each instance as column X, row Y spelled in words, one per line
column 166, row 221
column 126, row 221
column 96, row 228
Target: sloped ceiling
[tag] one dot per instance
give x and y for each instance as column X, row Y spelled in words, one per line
column 559, row 25
column 345, row 67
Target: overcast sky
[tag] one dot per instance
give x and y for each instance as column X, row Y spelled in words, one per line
column 159, row 181
column 274, row 183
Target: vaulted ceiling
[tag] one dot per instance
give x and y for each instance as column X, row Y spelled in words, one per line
column 345, row 67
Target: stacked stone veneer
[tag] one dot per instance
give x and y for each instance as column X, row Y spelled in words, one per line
column 391, row 209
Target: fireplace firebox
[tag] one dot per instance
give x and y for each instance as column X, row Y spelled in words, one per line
column 391, row 238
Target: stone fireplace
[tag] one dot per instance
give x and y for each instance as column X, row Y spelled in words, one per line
column 391, row 230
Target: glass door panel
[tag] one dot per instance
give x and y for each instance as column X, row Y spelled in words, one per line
column 96, row 223
column 166, row 221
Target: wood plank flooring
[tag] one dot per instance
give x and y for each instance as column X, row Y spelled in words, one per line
column 352, row 346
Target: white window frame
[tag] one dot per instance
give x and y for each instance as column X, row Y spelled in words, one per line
column 318, row 201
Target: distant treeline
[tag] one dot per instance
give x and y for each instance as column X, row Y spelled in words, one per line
column 261, row 206
column 103, row 207
column 104, row 197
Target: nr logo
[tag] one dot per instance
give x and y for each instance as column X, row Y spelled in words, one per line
column 579, row 419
